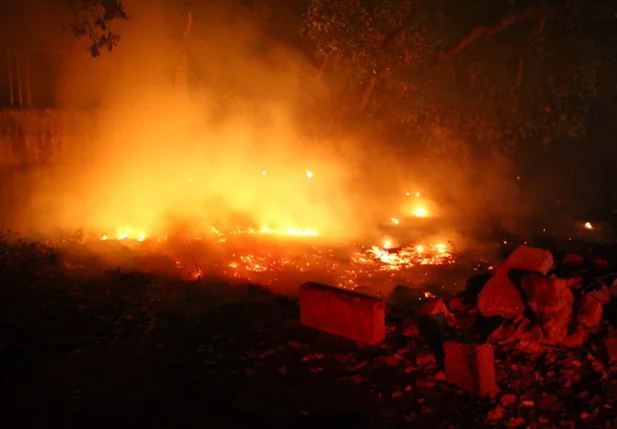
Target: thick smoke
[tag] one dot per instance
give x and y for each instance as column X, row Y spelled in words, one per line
column 217, row 138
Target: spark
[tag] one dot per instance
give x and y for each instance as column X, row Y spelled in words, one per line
column 309, row 174
column 394, row 220
column 588, row 225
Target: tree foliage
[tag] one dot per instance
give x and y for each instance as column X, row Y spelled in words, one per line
column 91, row 19
column 479, row 72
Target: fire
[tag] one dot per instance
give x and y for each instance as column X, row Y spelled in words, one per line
column 408, row 256
column 419, row 212
column 266, row 264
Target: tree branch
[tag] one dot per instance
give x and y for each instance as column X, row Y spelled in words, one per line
column 539, row 11
column 324, row 66
column 537, row 32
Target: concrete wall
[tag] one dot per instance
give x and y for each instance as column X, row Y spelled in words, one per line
column 32, row 142
column 31, row 137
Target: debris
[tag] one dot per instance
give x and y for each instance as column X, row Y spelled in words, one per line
column 456, row 304
column 500, row 297
column 424, row 357
column 590, row 309
column 508, row 399
column 410, row 328
column 611, row 349
column 532, row 259
column 551, row 300
column 471, row 367
column 575, row 340
column 573, row 259
column 341, row 312
column 496, row 414
column 515, row 422
column 434, row 318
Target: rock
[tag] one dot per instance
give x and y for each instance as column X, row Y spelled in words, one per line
column 530, row 259
column 508, row 399
column 424, row 357
column 410, row 328
column 500, row 297
column 611, row 349
column 551, row 300
column 573, row 259
column 590, row 309
column 515, row 422
column 434, row 318
column 474, row 286
column 471, row 366
column 436, row 307
column 509, row 331
column 531, row 339
column 600, row 264
column 575, row 340
column 456, row 304
column 496, row 414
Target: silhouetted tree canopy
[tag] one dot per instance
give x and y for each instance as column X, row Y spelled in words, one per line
column 91, row 19
column 481, row 75
column 492, row 72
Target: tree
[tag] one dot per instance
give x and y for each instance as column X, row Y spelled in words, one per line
column 479, row 71
column 91, row 19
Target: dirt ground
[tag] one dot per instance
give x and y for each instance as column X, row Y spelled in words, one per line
column 114, row 350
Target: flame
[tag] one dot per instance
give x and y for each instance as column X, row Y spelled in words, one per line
column 588, row 225
column 267, row 264
column 419, row 212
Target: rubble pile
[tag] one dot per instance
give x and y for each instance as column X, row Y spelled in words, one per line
column 531, row 304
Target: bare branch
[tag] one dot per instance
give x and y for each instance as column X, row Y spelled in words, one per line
column 539, row 11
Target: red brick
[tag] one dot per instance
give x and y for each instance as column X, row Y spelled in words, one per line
column 471, row 367
column 342, row 312
column 532, row 259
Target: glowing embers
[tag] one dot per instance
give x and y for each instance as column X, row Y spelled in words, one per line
column 346, row 268
column 404, row 257
column 298, row 232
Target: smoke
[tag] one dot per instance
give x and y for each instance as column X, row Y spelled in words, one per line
column 209, row 131
column 225, row 151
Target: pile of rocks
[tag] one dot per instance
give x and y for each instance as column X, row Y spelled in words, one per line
column 531, row 302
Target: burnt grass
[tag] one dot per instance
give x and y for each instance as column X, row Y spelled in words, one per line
column 115, row 349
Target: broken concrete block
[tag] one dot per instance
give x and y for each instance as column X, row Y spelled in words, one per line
column 500, row 297
column 531, row 259
column 471, row 367
column 551, row 299
column 342, row 312
column 591, row 307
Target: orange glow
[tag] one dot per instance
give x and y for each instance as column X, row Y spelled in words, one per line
column 419, row 212
column 221, row 156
